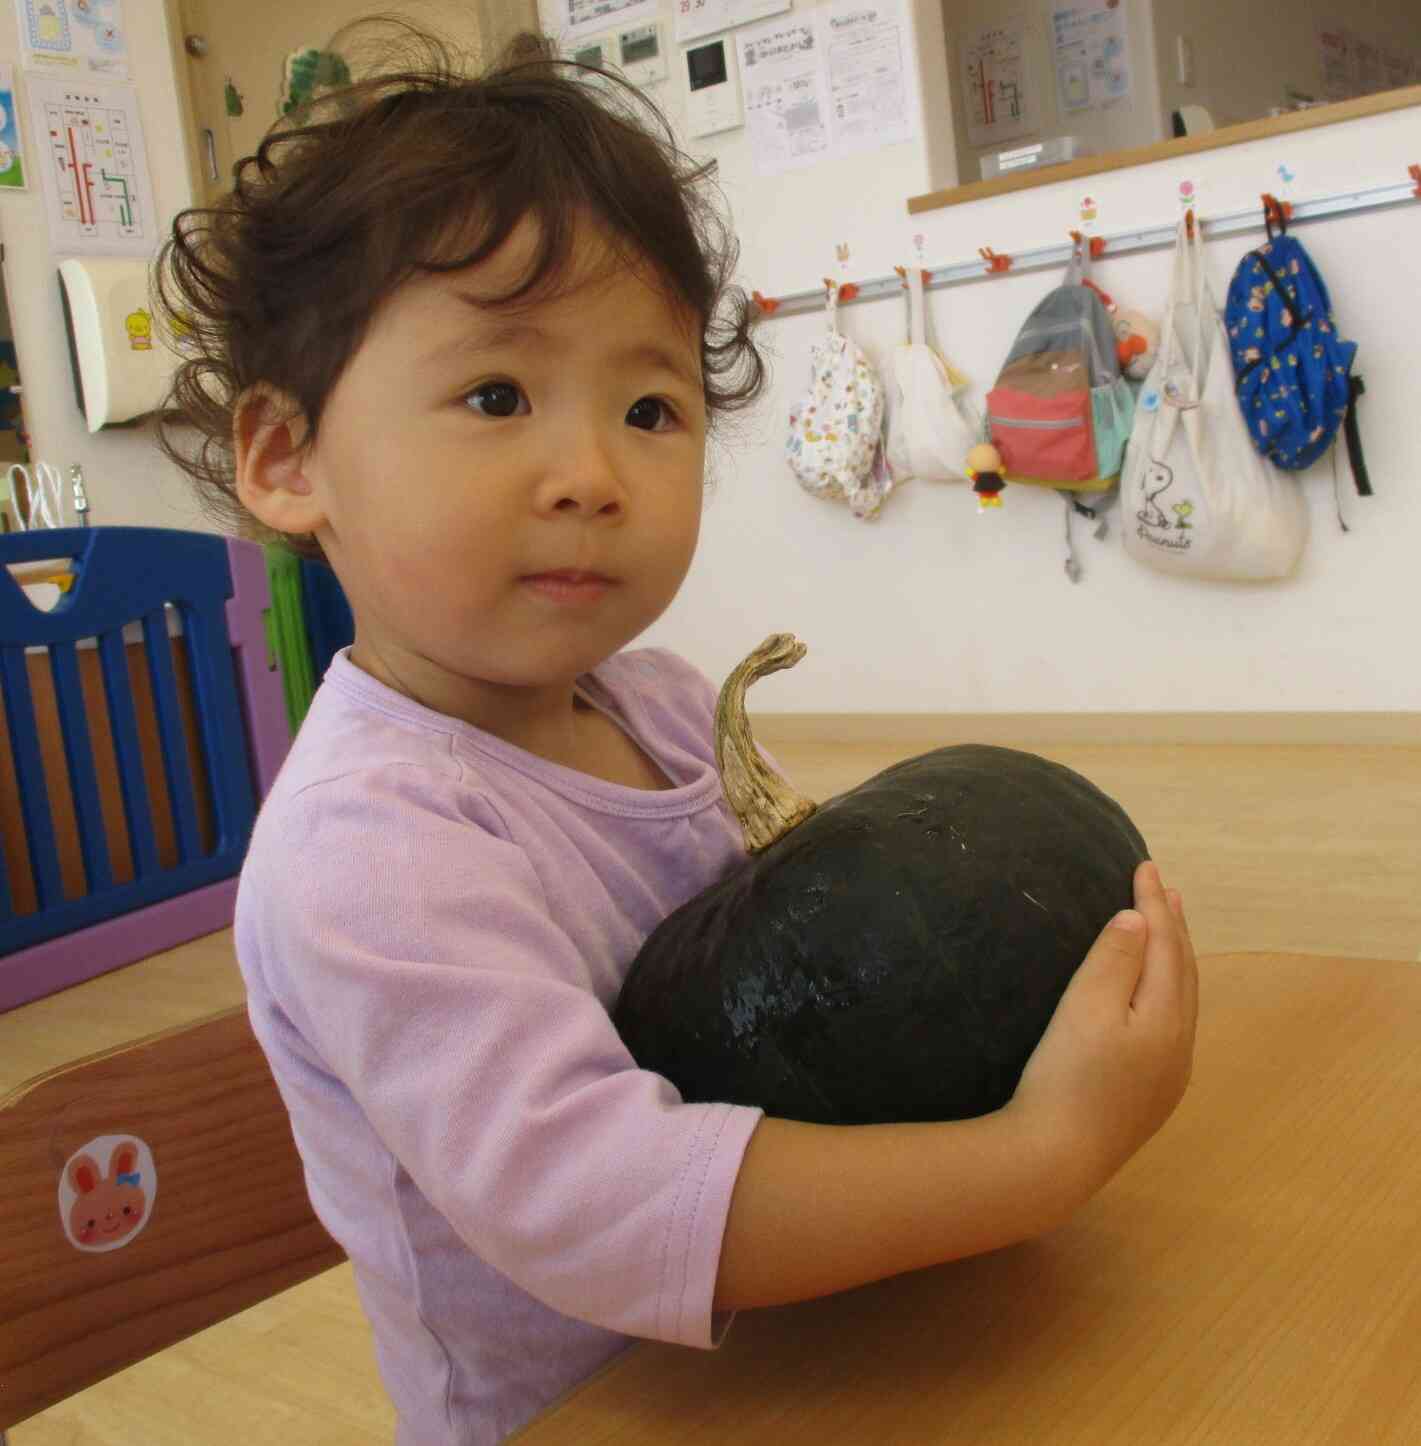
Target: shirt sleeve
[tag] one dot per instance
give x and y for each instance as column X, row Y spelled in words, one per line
column 428, row 977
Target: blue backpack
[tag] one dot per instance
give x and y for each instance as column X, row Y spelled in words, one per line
column 1292, row 368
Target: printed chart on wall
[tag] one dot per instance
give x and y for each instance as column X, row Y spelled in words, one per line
column 997, row 83
column 828, row 83
column 1091, row 49
column 98, row 197
column 84, row 36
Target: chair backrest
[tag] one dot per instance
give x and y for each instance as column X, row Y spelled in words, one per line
column 186, row 1132
column 151, row 749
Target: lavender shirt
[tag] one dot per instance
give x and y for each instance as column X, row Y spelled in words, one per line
column 432, row 925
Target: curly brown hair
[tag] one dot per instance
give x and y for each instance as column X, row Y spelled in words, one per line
column 420, row 167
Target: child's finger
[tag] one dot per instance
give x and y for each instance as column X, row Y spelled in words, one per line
column 1191, row 963
column 1109, row 974
column 1167, row 975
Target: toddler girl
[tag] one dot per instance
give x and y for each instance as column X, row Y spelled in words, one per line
column 464, row 339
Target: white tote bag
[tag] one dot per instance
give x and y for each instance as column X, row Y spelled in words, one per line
column 1198, row 499
column 930, row 427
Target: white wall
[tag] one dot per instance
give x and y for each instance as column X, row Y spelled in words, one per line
column 931, row 607
column 1137, row 120
column 934, row 608
column 127, row 479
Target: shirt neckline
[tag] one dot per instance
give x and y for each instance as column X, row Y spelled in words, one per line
column 621, row 706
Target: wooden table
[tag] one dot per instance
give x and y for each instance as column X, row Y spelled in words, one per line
column 1252, row 1276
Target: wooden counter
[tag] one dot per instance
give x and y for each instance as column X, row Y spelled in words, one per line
column 1252, row 1276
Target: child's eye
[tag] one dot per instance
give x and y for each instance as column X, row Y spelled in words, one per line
column 650, row 414
column 497, row 399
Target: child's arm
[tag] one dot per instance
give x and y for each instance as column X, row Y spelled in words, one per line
column 821, row 1208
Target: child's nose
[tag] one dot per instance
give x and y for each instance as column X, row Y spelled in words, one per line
column 583, row 482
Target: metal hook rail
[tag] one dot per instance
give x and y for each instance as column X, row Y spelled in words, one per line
column 1119, row 243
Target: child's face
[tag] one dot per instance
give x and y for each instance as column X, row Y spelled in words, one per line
column 505, row 506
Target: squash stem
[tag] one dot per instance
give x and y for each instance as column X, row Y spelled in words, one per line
column 766, row 805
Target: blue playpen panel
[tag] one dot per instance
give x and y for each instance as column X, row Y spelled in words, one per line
column 124, row 577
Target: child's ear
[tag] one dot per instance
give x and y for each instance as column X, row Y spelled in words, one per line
column 269, row 434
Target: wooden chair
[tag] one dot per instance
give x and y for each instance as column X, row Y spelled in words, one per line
column 192, row 1121
column 144, row 722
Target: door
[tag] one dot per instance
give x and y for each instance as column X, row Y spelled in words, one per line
column 231, row 63
column 201, row 91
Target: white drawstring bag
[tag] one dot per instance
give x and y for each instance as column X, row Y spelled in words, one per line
column 1198, row 500
column 930, row 425
column 835, row 437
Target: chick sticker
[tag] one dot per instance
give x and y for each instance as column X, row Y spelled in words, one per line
column 139, row 325
column 106, row 1193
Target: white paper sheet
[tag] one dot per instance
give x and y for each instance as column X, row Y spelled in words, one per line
column 695, row 18
column 872, row 75
column 828, row 83
column 996, row 83
column 593, row 17
column 1091, row 51
column 89, row 145
column 84, row 37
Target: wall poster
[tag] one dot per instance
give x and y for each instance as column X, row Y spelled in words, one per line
column 996, row 83
column 89, row 150
column 823, row 84
column 1091, row 53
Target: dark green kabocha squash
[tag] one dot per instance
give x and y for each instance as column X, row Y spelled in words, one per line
column 894, row 954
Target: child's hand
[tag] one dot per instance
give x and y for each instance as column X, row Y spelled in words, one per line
column 1116, row 1057
column 1107, row 1073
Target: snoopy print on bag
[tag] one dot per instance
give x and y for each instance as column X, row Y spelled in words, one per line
column 106, row 1193
column 1155, row 525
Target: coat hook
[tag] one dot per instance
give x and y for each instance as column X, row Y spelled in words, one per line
column 1097, row 244
column 1276, row 213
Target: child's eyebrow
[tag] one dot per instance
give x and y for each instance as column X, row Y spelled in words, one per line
column 471, row 345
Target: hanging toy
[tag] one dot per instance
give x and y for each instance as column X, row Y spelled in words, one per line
column 984, row 468
column 1136, row 342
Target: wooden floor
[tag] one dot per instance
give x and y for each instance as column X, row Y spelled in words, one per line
column 1314, row 849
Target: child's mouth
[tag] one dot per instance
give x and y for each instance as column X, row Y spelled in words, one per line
column 569, row 586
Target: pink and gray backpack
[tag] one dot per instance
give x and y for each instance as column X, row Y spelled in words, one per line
column 1061, row 413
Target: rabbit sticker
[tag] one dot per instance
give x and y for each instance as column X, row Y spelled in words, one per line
column 106, row 1193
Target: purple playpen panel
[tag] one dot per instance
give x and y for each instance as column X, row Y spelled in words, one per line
column 46, row 968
